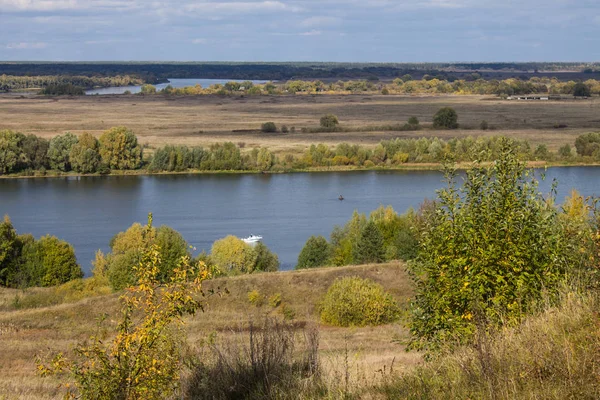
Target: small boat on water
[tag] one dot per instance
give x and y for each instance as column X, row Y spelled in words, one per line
column 252, row 239
column 341, row 197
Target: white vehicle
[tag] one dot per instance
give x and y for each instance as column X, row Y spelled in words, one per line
column 252, row 239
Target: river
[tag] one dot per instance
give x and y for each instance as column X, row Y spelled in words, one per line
column 176, row 83
column 286, row 209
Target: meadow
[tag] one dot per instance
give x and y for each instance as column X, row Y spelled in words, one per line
column 205, row 120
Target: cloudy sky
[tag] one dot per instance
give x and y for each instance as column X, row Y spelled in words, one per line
column 301, row 30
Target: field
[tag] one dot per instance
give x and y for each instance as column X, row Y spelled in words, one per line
column 26, row 333
column 203, row 120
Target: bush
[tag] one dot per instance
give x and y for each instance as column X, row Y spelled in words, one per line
column 144, row 358
column 284, row 129
column 413, row 121
column 315, row 253
column 232, row 255
column 268, row 127
column 329, row 121
column 487, row 253
column 581, row 90
column 445, row 118
column 588, row 144
column 484, row 125
column 565, row 151
column 354, row 301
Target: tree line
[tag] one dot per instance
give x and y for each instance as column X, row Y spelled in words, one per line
column 118, row 149
column 11, row 82
column 406, row 84
column 152, row 72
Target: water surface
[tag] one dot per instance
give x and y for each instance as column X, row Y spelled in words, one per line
column 176, row 83
column 284, row 208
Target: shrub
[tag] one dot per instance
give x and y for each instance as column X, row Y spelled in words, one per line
column 275, row 300
column 284, row 129
column 385, row 91
column 488, row 252
column 413, row 121
column 266, row 261
column 484, row 125
column 354, row 301
column 581, row 90
column 233, row 255
column 445, row 118
column 565, row 151
column 329, row 121
column 144, row 358
column 315, row 253
column 255, row 298
column 588, row 144
column 268, row 127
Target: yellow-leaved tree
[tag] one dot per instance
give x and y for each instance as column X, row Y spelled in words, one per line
column 143, row 359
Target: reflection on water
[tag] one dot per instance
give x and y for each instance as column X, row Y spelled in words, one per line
column 285, row 208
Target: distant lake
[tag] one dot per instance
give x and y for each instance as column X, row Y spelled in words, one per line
column 286, row 209
column 176, row 83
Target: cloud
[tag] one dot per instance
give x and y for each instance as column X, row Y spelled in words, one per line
column 26, row 45
column 65, row 5
column 311, row 33
column 321, row 21
column 241, row 7
column 199, row 41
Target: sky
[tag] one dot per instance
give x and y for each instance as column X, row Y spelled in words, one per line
column 300, row 30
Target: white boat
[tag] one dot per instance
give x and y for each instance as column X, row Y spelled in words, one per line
column 252, row 239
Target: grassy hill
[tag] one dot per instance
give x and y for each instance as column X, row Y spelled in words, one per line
column 359, row 352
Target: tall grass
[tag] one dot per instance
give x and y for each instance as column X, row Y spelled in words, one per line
column 553, row 355
column 269, row 360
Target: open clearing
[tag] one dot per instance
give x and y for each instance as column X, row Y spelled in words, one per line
column 203, row 120
column 40, row 331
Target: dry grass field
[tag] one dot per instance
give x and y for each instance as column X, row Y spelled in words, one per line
column 39, row 331
column 203, row 120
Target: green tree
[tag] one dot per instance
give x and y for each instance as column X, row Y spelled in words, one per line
column 59, row 150
column 369, row 247
column 268, row 127
column 488, row 252
column 119, row 149
column 11, row 152
column 35, row 151
column 53, row 261
column 315, row 253
column 565, row 151
column 85, row 154
column 265, row 159
column 581, row 90
column 128, row 247
column 329, row 121
column 266, row 261
column 445, row 118
column 9, row 250
column 588, row 144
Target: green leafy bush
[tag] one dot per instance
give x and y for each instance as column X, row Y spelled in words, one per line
column 268, row 127
column 329, row 121
column 490, row 249
column 355, row 301
column 445, row 118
